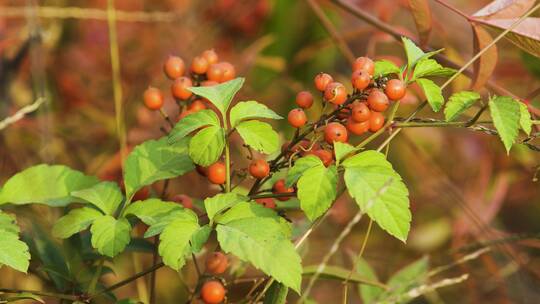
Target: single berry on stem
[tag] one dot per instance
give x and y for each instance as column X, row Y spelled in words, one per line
column 217, row 263
column 229, row 72
column 395, row 89
column 322, row 80
column 304, row 99
column 212, row 292
column 179, row 88
column 357, row 128
column 377, row 100
column 376, row 121
column 335, row 131
column 266, row 202
column 325, row 156
column 280, row 188
column 297, row 118
column 211, row 56
column 360, row 79
column 259, row 168
column 153, row 98
column 174, row 67
column 197, row 105
column 199, row 65
column 217, row 173
column 365, row 64
column 360, row 112
column 335, row 93
column 215, row 72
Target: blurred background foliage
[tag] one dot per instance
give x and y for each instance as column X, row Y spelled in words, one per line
column 464, row 189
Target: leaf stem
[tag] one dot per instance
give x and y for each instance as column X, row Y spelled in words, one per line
column 95, row 277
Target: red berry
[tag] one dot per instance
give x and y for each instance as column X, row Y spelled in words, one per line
column 196, row 106
column 335, row 131
column 153, row 98
column 357, row 128
column 395, row 89
column 210, row 56
column 217, row 263
column 216, row 173
column 325, row 156
column 183, row 199
column 199, row 65
column 212, row 292
column 360, row 79
column 335, row 93
column 304, row 99
column 259, row 168
column 364, row 63
column 360, row 112
column 297, row 118
column 179, row 88
column 266, row 202
column 322, row 80
column 376, row 121
column 229, row 72
column 174, row 67
column 377, row 101
column 280, row 187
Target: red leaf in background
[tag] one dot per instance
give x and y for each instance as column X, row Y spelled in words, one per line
column 422, row 17
column 485, row 65
column 505, row 9
column 526, row 35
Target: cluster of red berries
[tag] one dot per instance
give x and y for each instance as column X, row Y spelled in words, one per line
column 213, row 291
column 205, row 70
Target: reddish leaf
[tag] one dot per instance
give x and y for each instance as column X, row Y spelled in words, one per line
column 526, row 35
column 505, row 9
column 422, row 17
column 485, row 65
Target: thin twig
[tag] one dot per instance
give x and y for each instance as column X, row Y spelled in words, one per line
column 43, row 293
column 21, row 113
column 129, row 280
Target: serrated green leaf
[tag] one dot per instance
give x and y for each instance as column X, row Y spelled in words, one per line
column 369, row 293
column 276, row 294
column 300, row 166
column 222, row 201
column 261, row 242
column 155, row 160
column 246, row 210
column 45, row 184
column 8, row 223
column 13, row 252
column 75, row 221
column 200, row 237
column 259, row 135
column 458, row 103
column 191, row 123
column 413, row 52
column 105, row 195
column 431, row 68
column 152, row 210
column 163, row 220
column 505, row 113
column 250, row 109
column 220, row 95
column 385, row 67
column 206, row 147
column 317, row 190
column 379, row 191
column 525, row 119
column 174, row 242
column 433, row 93
column 341, row 150
column 109, row 235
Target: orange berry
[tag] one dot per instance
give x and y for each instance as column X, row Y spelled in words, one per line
column 259, row 168
column 229, row 72
column 377, row 100
column 212, row 292
column 183, row 199
column 179, row 88
column 196, row 106
column 210, row 56
column 217, row 263
column 153, row 98
column 266, row 202
column 199, row 65
column 395, row 89
column 325, row 156
column 360, row 112
column 376, row 121
column 215, row 72
column 335, row 93
column 174, row 67
column 217, row 173
column 357, row 128
column 364, row 63
column 304, row 99
column 360, row 79
column 297, row 118
column 280, row 188
column 335, row 131
column 322, row 80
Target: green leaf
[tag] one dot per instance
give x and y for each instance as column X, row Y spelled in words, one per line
column 155, row 160
column 24, row 296
column 317, row 190
column 246, row 210
column 300, row 166
column 151, row 211
column 413, row 52
column 206, row 147
column 250, row 109
column 339, row 274
column 276, row 294
column 341, row 150
column 433, row 93
column 411, row 276
column 13, row 252
column 105, row 195
column 385, row 67
column 525, row 118
column 75, row 221
column 8, row 223
column 200, row 237
column 379, row 191
column 222, row 201
column 109, row 235
column 260, row 241
column 191, row 123
column 174, row 242
column 458, row 103
column 259, row 135
column 44, row 184
column 164, row 220
column 505, row 113
column 220, row 95
column 369, row 293
column 431, row 68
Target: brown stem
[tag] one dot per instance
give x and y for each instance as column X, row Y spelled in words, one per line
column 44, row 294
column 129, row 280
